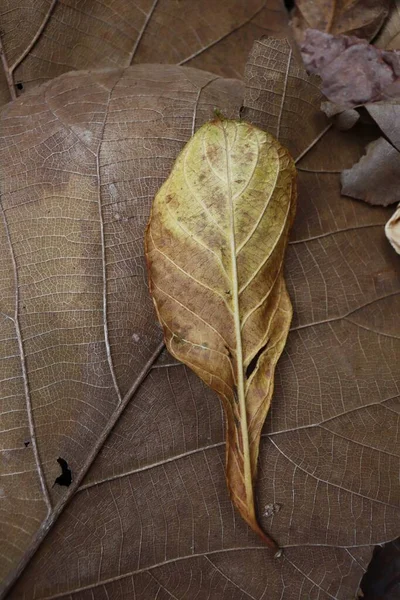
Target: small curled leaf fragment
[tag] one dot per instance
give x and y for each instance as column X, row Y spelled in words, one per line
column 392, row 230
column 221, row 222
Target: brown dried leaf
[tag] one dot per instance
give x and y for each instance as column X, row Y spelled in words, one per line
column 375, row 178
column 387, row 116
column 356, row 73
column 152, row 518
column 392, row 230
column 353, row 72
column 362, row 18
column 342, row 119
column 389, row 35
column 272, row 97
column 215, row 244
column 42, row 39
column 78, row 327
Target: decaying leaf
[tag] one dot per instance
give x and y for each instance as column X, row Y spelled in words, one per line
column 42, row 39
column 387, row 116
column 272, row 97
column 152, row 518
column 375, row 178
column 215, row 244
column 353, row 72
column 389, row 35
column 80, row 161
column 392, row 230
column 362, row 18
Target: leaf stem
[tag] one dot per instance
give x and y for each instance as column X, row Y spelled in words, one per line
column 247, row 470
column 238, row 334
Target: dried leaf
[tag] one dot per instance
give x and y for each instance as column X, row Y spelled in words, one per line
column 342, row 119
column 362, row 18
column 77, row 324
column 375, row 178
column 152, row 517
column 387, row 116
column 389, row 35
column 215, row 243
column 41, row 39
column 356, row 73
column 392, row 230
column 272, row 97
column 353, row 72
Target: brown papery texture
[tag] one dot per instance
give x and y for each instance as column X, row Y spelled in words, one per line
column 152, row 518
column 78, row 329
column 41, row 39
column 362, row 18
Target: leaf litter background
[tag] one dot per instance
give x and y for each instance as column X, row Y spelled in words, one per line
column 42, row 39
column 83, row 158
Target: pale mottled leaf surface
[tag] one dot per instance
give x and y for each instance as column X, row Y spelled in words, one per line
column 42, row 39
column 215, row 245
column 153, row 518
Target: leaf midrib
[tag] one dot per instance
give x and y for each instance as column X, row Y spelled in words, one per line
column 238, row 334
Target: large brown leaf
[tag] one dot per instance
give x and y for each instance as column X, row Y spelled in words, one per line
column 41, row 39
column 152, row 518
column 78, row 328
column 215, row 245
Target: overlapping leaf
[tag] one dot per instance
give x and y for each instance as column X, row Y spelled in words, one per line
column 78, row 329
column 215, row 245
column 357, row 74
column 362, row 18
column 41, row 39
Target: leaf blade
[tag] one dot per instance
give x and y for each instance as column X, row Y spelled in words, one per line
column 73, row 321
column 233, row 189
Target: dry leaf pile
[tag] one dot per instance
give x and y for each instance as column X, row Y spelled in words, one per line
column 356, row 74
column 86, row 379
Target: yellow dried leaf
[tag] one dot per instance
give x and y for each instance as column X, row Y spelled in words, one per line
column 215, row 245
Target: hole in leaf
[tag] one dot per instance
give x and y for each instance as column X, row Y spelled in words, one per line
column 66, row 476
column 19, row 86
column 289, row 4
column 26, row 444
column 253, row 363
